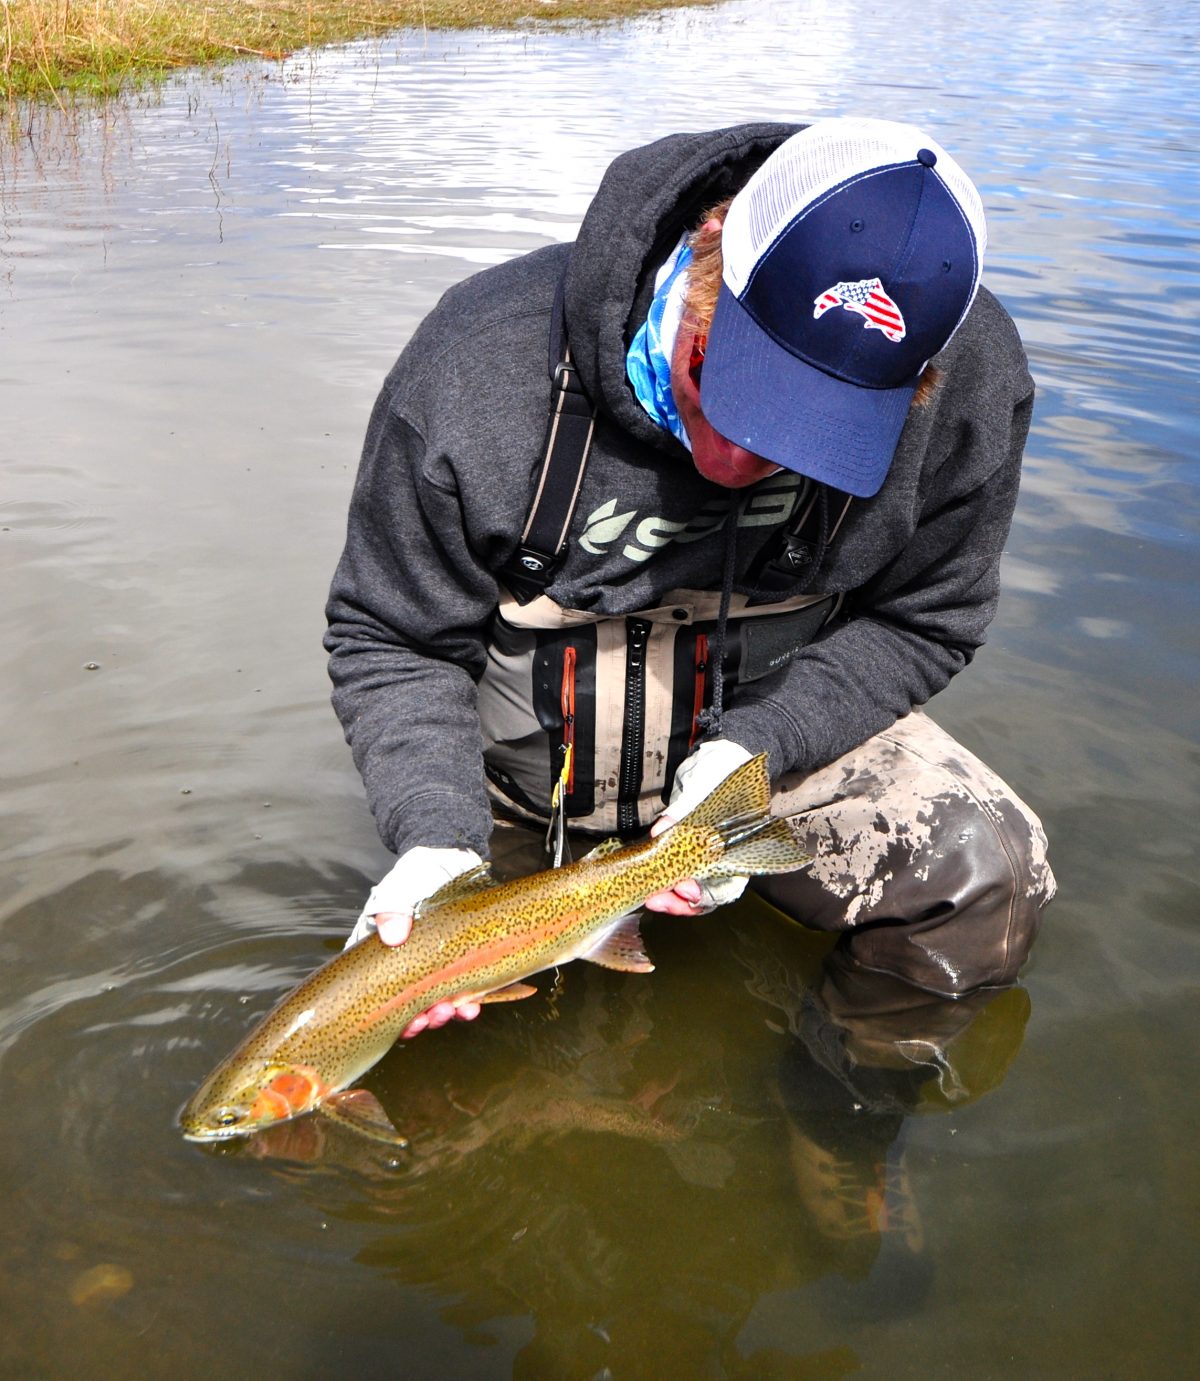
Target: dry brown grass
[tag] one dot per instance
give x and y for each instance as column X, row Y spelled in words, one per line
column 101, row 46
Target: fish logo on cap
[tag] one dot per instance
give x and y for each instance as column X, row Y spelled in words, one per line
column 868, row 298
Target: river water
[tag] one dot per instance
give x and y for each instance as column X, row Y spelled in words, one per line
column 731, row 1167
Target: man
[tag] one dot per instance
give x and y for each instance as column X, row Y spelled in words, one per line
column 785, row 539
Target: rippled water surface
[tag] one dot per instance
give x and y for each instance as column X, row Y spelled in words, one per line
column 732, row 1167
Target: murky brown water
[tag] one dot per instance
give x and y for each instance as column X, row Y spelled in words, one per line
column 683, row 1174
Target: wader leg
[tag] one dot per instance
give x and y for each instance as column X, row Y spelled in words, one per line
column 930, row 866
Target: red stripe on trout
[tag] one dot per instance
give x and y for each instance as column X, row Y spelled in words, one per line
column 476, row 962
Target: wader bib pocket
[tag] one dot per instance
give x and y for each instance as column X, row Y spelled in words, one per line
column 624, row 694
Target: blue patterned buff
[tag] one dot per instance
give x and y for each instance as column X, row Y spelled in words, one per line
column 648, row 363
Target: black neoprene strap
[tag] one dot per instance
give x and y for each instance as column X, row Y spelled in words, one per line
column 543, row 545
column 784, row 561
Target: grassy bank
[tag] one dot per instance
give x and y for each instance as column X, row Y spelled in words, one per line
column 49, row 47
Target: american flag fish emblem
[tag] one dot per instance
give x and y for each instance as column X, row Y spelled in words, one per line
column 868, row 299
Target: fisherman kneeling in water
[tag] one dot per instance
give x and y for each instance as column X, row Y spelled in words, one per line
column 765, row 516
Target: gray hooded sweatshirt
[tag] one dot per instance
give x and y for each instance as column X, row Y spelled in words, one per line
column 444, row 487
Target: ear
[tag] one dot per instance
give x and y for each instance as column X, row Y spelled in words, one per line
column 682, row 383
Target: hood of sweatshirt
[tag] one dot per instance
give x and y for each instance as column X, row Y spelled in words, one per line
column 646, row 200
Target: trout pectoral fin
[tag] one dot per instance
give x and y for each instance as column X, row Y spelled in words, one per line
column 622, row 948
column 513, row 993
column 362, row 1112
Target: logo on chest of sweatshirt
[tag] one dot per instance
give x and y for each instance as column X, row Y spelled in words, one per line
column 771, row 502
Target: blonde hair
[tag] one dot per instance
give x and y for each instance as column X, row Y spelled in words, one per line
column 704, row 284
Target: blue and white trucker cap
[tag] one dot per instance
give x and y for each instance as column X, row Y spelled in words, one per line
column 850, row 258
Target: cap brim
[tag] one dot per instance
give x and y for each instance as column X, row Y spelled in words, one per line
column 760, row 396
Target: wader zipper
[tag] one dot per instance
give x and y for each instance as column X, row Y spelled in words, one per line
column 568, row 716
column 556, row 831
column 698, row 693
column 633, row 734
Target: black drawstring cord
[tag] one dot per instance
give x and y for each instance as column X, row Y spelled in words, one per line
column 709, row 721
column 822, row 538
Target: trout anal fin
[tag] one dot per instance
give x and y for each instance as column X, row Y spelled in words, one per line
column 514, row 992
column 621, row 948
column 360, row 1111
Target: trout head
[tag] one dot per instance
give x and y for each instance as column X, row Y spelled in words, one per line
column 243, row 1099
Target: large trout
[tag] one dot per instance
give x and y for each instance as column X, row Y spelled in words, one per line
column 474, row 941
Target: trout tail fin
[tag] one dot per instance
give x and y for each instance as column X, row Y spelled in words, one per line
column 739, row 812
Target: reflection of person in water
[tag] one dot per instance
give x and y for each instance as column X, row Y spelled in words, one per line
column 869, row 1051
column 630, row 1178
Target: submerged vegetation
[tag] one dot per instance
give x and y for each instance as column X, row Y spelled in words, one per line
column 99, row 47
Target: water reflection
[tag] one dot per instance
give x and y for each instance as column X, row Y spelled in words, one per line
column 588, row 1137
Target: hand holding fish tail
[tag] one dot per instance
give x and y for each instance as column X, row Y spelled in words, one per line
column 708, row 766
column 686, row 898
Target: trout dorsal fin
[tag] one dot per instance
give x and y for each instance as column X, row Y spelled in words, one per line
column 466, row 884
column 602, row 850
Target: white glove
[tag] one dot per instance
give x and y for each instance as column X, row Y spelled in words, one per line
column 698, row 776
column 416, row 874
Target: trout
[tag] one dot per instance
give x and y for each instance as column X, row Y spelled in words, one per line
column 476, row 940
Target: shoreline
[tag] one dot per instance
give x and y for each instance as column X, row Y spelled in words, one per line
column 51, row 49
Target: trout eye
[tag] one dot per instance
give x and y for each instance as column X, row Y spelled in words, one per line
column 227, row 1117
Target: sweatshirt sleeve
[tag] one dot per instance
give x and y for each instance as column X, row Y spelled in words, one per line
column 911, row 626
column 407, row 617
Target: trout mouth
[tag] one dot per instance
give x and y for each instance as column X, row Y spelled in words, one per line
column 223, row 1124
column 205, row 1138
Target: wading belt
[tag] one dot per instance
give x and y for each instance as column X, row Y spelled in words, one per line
column 543, row 545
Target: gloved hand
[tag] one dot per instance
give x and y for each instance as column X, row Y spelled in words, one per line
column 416, row 874
column 698, row 776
